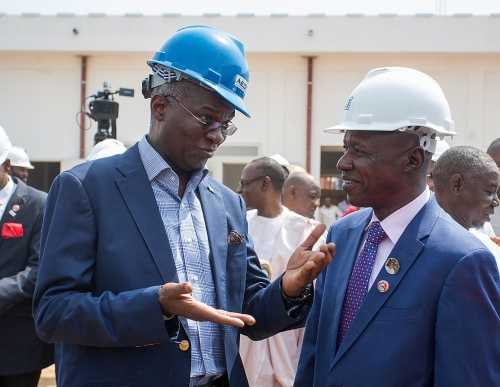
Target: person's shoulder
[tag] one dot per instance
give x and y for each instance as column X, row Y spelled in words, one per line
column 354, row 218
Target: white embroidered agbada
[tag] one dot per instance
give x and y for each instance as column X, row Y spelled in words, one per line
column 273, row 362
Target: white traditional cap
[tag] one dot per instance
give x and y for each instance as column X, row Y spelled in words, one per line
column 441, row 147
column 280, row 159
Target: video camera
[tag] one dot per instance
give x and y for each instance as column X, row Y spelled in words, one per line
column 104, row 110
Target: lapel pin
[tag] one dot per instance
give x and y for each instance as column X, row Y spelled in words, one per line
column 13, row 211
column 211, row 189
column 392, row 266
column 383, row 286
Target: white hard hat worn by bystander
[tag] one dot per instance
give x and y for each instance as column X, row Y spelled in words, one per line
column 19, row 158
column 106, row 148
column 441, row 147
column 398, row 98
column 5, row 145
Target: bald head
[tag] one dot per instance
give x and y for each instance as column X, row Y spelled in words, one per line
column 301, row 194
column 466, row 181
column 494, row 151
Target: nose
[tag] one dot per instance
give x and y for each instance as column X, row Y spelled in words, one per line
column 316, row 203
column 239, row 190
column 216, row 136
column 344, row 162
column 496, row 201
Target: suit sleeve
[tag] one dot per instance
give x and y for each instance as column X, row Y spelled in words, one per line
column 468, row 324
column 21, row 286
column 65, row 309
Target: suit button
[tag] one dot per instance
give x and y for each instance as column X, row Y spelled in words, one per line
column 184, row 345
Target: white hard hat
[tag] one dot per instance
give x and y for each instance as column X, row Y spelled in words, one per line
column 5, row 145
column 441, row 147
column 398, row 98
column 279, row 159
column 19, row 158
column 106, row 148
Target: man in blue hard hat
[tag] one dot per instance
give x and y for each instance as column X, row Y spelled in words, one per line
column 147, row 273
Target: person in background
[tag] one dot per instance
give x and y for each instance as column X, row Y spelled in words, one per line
column 19, row 163
column 23, row 354
column 329, row 213
column 441, row 147
column 147, row 273
column 106, row 148
column 411, row 298
column 276, row 232
column 301, row 194
column 494, row 152
column 466, row 181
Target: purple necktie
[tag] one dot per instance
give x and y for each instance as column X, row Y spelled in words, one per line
column 360, row 276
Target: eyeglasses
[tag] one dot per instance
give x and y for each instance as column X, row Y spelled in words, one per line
column 429, row 176
column 244, row 183
column 226, row 129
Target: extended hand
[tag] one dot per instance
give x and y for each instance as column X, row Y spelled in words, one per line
column 496, row 240
column 175, row 299
column 305, row 265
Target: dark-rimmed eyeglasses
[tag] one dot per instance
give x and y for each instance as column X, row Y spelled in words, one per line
column 226, row 129
column 429, row 176
column 244, row 183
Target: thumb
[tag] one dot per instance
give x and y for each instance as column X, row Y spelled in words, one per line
column 182, row 288
column 313, row 237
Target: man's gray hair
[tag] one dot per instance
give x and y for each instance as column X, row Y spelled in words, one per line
column 266, row 166
column 177, row 89
column 467, row 161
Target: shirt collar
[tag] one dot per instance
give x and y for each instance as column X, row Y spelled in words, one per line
column 154, row 164
column 6, row 192
column 395, row 224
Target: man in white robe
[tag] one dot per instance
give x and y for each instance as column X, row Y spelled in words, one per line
column 276, row 232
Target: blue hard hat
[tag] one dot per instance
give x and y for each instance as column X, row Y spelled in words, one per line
column 209, row 56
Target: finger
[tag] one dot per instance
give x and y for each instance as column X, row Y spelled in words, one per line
column 176, row 289
column 314, row 236
column 246, row 318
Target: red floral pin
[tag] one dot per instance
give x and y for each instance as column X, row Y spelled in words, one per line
column 12, row 230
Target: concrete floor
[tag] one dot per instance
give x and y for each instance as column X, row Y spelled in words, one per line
column 48, row 378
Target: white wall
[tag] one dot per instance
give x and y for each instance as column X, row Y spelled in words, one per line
column 40, row 75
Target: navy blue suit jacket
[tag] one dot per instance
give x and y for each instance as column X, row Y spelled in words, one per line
column 104, row 256
column 437, row 325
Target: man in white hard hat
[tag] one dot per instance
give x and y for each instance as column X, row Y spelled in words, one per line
column 411, row 298
column 23, row 355
column 466, row 181
column 148, row 275
column 276, row 232
column 19, row 163
column 106, row 148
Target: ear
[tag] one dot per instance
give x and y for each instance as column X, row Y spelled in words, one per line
column 415, row 160
column 159, row 106
column 265, row 184
column 293, row 191
column 6, row 165
column 457, row 184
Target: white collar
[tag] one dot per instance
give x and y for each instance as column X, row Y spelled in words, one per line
column 6, row 192
column 395, row 224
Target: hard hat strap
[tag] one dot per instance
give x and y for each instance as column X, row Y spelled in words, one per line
column 426, row 137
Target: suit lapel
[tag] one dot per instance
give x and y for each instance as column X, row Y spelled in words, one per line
column 216, row 224
column 19, row 197
column 405, row 251
column 135, row 188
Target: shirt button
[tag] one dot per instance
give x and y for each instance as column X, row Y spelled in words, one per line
column 172, row 178
column 189, row 240
column 182, row 205
column 195, row 277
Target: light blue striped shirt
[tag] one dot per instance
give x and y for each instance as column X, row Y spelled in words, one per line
column 185, row 227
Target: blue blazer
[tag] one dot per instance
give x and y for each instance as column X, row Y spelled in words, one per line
column 104, row 256
column 437, row 325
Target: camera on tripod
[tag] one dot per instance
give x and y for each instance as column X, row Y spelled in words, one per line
column 104, row 110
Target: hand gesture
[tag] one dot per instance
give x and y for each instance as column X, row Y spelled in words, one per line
column 175, row 299
column 305, row 265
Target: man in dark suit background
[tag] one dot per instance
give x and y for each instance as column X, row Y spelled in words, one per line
column 411, row 299
column 22, row 353
column 147, row 272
